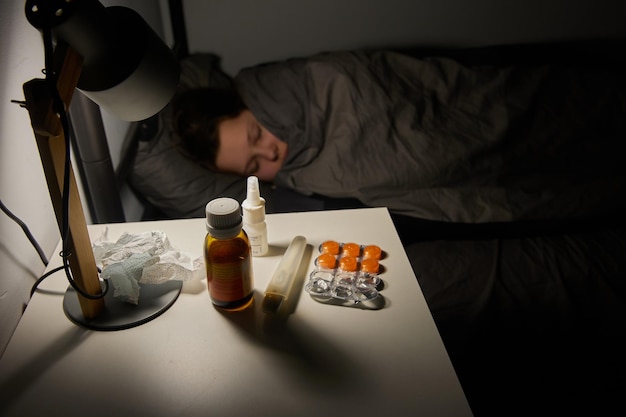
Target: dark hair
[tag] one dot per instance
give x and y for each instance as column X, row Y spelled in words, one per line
column 196, row 117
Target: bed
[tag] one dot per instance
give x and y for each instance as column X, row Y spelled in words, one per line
column 530, row 304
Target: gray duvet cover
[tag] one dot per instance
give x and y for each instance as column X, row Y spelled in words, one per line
column 433, row 139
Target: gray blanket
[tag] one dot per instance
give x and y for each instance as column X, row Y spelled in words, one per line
column 433, row 139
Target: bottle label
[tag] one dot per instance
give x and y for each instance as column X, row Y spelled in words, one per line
column 257, row 245
column 229, row 270
column 229, row 281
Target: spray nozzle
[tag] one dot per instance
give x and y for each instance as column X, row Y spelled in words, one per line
column 253, row 196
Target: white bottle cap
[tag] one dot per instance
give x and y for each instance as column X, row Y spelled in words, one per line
column 254, row 205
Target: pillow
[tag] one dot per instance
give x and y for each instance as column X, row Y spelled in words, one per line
column 180, row 188
column 166, row 179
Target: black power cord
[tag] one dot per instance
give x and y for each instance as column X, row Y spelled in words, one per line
column 35, row 244
column 27, row 232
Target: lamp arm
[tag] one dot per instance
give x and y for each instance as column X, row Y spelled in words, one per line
column 50, row 139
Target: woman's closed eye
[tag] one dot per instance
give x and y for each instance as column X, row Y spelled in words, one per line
column 255, row 142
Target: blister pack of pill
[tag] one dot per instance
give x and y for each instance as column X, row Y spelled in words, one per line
column 346, row 271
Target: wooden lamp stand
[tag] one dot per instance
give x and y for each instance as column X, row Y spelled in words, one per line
column 105, row 313
column 50, row 139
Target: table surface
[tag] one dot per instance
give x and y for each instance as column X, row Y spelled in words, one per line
column 194, row 360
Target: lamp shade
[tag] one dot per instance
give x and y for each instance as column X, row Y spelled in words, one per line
column 127, row 69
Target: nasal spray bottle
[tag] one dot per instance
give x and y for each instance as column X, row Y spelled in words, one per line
column 254, row 218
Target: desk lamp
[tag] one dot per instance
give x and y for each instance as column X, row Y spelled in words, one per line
column 115, row 59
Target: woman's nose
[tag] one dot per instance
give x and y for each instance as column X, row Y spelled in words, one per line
column 267, row 151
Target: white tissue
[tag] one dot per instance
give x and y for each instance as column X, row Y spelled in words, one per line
column 144, row 258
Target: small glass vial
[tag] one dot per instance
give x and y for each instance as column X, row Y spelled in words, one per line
column 227, row 256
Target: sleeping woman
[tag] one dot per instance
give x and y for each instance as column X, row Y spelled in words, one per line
column 219, row 132
column 426, row 137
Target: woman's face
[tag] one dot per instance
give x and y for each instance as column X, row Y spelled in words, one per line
column 247, row 148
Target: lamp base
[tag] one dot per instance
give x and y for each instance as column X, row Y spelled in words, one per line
column 119, row 315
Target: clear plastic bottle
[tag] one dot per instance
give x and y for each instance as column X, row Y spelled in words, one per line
column 227, row 256
column 254, row 218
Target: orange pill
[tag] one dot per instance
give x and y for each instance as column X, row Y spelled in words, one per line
column 351, row 249
column 372, row 252
column 370, row 265
column 348, row 263
column 326, row 260
column 330, row 247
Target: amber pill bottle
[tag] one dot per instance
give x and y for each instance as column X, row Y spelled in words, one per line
column 227, row 256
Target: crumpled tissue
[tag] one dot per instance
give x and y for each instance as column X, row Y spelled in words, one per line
column 143, row 258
